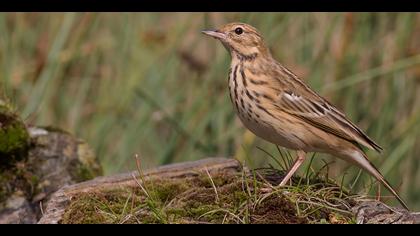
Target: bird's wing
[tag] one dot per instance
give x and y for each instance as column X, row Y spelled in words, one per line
column 321, row 114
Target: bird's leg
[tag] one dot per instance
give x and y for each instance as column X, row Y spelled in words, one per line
column 298, row 162
column 378, row 192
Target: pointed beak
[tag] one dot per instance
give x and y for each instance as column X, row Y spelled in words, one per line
column 214, row 33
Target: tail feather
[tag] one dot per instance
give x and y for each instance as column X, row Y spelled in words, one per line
column 361, row 159
column 392, row 190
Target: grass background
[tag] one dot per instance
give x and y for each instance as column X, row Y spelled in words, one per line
column 152, row 84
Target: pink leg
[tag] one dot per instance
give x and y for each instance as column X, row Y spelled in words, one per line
column 296, row 165
column 378, row 193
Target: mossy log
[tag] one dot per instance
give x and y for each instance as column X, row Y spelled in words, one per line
column 61, row 199
column 109, row 190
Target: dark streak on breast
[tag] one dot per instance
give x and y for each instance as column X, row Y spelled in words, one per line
column 243, row 77
column 235, row 82
column 235, row 89
column 242, row 104
column 265, row 110
column 230, row 93
column 258, row 82
column 248, row 94
column 229, row 87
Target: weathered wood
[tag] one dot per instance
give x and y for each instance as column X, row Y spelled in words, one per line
column 366, row 212
column 62, row 198
column 375, row 212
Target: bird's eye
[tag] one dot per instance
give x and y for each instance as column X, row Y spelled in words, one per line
column 239, row 31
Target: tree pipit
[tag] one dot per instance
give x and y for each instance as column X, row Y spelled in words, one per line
column 277, row 106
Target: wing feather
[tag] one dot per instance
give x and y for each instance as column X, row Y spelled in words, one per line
column 324, row 116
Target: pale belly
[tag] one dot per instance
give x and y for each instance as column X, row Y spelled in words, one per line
column 279, row 136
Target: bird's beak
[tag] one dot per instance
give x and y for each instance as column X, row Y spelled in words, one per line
column 214, row 33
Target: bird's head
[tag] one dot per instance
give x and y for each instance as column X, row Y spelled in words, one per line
column 240, row 39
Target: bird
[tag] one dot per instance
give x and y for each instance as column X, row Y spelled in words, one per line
column 279, row 107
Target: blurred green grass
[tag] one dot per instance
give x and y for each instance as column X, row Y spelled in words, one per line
column 152, row 84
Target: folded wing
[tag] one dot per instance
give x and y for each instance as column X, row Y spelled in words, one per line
column 321, row 114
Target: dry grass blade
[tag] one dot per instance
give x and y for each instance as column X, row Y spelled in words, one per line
column 213, row 185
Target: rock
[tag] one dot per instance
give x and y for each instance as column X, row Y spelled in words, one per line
column 59, row 159
column 14, row 138
column 375, row 212
column 18, row 210
column 55, row 159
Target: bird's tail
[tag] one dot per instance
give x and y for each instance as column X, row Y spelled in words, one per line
column 361, row 159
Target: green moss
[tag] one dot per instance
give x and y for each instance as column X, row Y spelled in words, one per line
column 86, row 167
column 14, row 138
column 81, row 172
column 94, row 207
column 194, row 200
column 165, row 191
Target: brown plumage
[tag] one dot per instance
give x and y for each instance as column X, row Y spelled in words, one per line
column 279, row 107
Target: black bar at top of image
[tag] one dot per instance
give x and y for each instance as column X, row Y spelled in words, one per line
column 209, row 5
